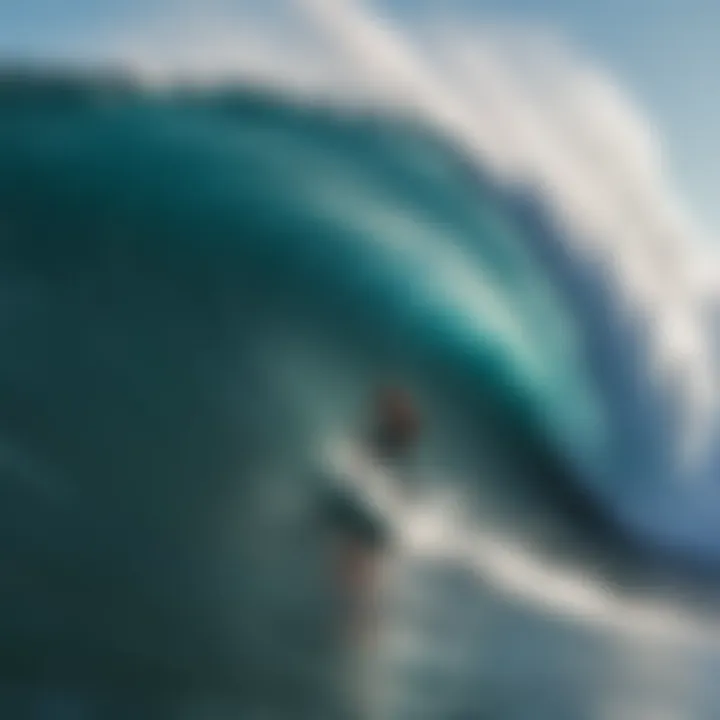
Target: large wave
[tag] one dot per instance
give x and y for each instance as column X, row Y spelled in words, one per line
column 201, row 287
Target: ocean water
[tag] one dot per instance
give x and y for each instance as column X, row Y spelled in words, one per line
column 200, row 291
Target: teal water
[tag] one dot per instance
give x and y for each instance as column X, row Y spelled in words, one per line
column 197, row 291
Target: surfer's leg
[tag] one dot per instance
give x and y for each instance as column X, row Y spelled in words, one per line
column 357, row 573
column 354, row 569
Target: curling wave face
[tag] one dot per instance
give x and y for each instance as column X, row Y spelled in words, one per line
column 198, row 291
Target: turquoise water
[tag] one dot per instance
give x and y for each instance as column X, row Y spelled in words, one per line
column 199, row 291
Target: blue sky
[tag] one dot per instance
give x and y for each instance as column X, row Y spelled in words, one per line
column 665, row 52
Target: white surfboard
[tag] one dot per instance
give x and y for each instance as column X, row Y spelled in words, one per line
column 368, row 483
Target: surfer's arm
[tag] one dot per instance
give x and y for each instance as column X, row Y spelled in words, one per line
column 348, row 515
column 347, row 510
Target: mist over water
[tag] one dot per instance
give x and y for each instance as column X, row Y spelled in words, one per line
column 199, row 290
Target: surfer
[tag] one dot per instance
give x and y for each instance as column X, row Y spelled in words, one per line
column 365, row 488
